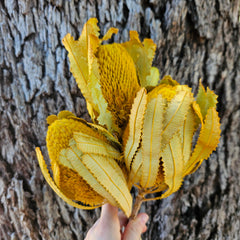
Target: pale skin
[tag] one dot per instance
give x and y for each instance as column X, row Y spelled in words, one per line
column 113, row 224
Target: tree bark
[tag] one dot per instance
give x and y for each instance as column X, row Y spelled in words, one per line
column 195, row 39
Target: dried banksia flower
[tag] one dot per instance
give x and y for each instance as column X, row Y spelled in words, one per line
column 84, row 164
column 158, row 140
column 110, row 75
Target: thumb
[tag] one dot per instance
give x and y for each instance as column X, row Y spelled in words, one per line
column 136, row 227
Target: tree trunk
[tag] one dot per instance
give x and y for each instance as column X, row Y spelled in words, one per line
column 195, row 39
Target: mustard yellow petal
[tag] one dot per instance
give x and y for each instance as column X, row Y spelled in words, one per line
column 142, row 55
column 50, row 181
column 118, row 82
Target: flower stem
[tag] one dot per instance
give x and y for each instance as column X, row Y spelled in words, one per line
column 137, row 204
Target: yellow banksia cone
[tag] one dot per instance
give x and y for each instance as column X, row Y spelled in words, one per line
column 84, row 164
column 159, row 138
column 110, row 75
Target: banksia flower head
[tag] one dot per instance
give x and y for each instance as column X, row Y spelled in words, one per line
column 110, row 75
column 142, row 132
column 84, row 164
column 158, row 141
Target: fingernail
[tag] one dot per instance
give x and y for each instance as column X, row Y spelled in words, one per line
column 144, row 218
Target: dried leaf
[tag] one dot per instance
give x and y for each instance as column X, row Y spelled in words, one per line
column 112, row 140
column 142, row 55
column 153, row 78
column 135, row 126
column 136, row 170
column 172, row 165
column 50, row 181
column 175, row 115
column 84, row 67
column 72, row 184
column 167, row 79
column 151, row 140
column 197, row 111
column 77, row 53
column 99, row 103
column 89, row 28
column 109, row 33
column 186, row 134
column 205, row 99
column 207, row 141
column 108, row 174
column 95, row 145
column 160, row 184
column 101, row 173
column 167, row 91
column 74, row 156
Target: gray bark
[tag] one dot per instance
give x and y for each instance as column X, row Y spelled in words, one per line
column 195, row 39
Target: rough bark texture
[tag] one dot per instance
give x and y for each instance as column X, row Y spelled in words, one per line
column 195, row 39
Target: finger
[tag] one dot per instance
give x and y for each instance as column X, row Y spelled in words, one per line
column 109, row 216
column 107, row 226
column 109, row 212
column 123, row 219
column 136, row 227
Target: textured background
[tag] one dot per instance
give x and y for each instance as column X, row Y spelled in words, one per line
column 195, row 39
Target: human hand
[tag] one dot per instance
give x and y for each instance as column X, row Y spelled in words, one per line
column 109, row 226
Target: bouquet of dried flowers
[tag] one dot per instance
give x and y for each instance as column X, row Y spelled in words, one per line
column 141, row 132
